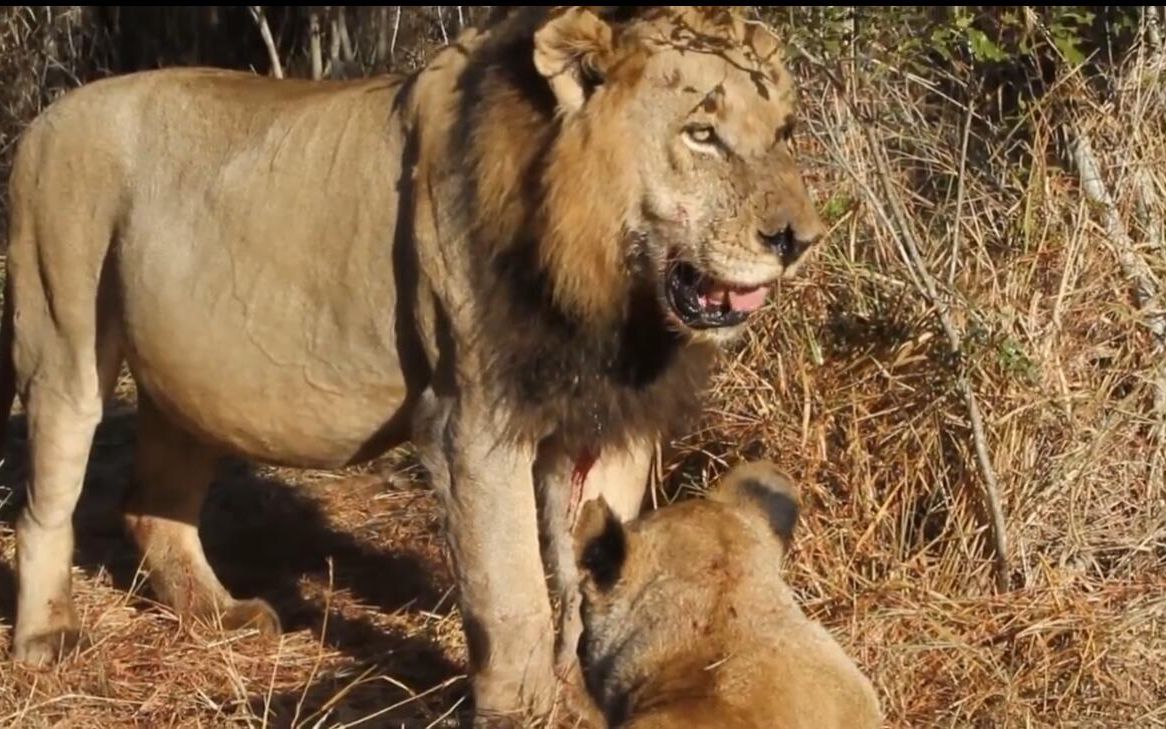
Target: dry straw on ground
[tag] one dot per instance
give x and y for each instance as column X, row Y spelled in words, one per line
column 847, row 381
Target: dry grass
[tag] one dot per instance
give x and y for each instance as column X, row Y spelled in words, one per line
column 848, row 383
column 351, row 560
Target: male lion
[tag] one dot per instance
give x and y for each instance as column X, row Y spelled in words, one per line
column 522, row 258
column 688, row 622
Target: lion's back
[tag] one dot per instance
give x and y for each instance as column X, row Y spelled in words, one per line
column 149, row 118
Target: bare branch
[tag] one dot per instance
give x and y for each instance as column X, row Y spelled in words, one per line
column 890, row 207
column 1134, row 267
column 1150, row 210
column 265, row 32
column 906, row 236
column 957, row 234
column 1132, row 264
column 396, row 31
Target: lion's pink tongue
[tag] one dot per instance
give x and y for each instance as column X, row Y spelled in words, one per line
column 740, row 300
column 733, row 299
column 747, row 299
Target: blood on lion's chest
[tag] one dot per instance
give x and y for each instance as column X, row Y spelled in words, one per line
column 584, row 461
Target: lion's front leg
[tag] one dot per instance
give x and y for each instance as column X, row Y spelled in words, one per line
column 566, row 480
column 487, row 488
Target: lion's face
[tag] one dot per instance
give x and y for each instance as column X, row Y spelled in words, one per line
column 693, row 112
column 672, row 589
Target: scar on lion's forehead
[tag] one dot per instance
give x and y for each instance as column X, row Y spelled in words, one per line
column 713, row 99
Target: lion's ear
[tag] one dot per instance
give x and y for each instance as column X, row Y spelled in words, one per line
column 573, row 51
column 762, row 491
column 600, row 544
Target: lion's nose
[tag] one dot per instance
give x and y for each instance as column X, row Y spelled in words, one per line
column 785, row 243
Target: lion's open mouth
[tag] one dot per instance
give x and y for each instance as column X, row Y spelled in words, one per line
column 703, row 302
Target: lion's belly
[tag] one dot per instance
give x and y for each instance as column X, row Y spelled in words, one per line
column 281, row 406
column 308, row 429
column 264, row 349
column 271, row 412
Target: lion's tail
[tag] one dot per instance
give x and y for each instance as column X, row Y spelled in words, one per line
column 7, row 364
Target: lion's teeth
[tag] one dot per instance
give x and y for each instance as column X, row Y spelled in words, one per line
column 715, row 296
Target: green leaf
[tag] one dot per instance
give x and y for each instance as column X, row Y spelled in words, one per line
column 836, row 207
column 941, row 42
column 1067, row 45
column 983, row 47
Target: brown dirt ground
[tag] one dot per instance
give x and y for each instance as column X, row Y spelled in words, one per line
column 351, row 560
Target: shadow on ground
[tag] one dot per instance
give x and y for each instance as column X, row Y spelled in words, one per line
column 273, row 539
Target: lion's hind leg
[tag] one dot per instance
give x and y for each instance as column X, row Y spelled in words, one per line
column 61, row 426
column 55, row 367
column 174, row 473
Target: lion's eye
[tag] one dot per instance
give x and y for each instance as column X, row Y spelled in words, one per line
column 702, row 136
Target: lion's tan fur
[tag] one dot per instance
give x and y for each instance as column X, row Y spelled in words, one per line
column 688, row 622
column 309, row 273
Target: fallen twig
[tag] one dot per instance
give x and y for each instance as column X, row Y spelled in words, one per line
column 1149, row 208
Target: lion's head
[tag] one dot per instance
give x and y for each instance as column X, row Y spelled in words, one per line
column 673, row 159
column 676, row 588
column 688, row 621
column 631, row 193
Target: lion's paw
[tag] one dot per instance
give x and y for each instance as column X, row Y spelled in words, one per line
column 47, row 648
column 253, row 614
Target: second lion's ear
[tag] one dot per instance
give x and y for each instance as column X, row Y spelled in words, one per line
column 573, row 51
column 763, row 492
column 601, row 546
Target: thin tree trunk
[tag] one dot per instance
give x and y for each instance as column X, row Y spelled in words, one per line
column 333, row 67
column 316, row 51
column 345, row 39
column 382, row 25
column 265, row 33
